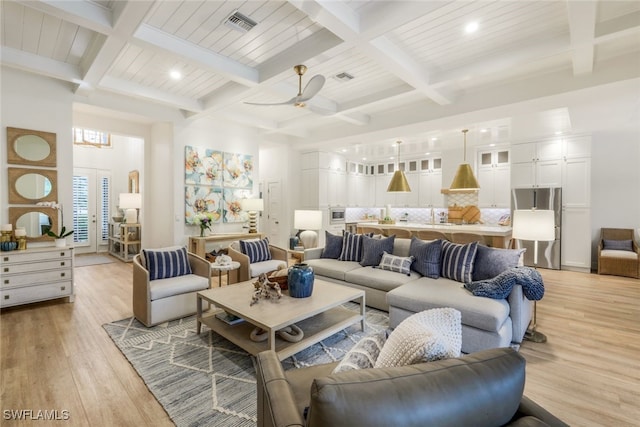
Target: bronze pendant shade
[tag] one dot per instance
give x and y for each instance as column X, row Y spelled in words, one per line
column 464, row 179
column 399, row 182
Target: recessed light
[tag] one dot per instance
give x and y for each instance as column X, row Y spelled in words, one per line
column 434, row 139
column 364, row 158
column 175, row 74
column 344, row 150
column 426, row 154
column 391, row 158
column 558, row 132
column 471, row 27
column 484, row 130
column 492, row 145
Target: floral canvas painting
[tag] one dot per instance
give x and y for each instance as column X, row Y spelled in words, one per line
column 238, row 170
column 199, row 199
column 203, row 166
column 232, row 208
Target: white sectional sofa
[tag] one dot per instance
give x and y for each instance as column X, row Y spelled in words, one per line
column 486, row 322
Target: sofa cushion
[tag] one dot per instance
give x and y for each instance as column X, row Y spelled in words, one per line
column 364, row 354
column 397, row 264
column 258, row 268
column 332, row 247
column 166, row 262
column 257, row 251
column 332, row 267
column 423, row 337
column 351, row 247
column 617, row 245
column 428, row 257
column 162, row 288
column 457, row 261
column 372, row 249
column 422, row 294
column 378, row 279
column 492, row 261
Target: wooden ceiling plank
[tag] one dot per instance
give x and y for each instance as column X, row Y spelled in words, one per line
column 582, row 24
column 12, row 19
column 50, row 28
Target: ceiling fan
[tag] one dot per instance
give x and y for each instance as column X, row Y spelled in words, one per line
column 310, row 90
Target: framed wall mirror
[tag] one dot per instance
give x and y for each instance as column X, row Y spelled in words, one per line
column 27, row 186
column 134, row 182
column 35, row 220
column 31, row 147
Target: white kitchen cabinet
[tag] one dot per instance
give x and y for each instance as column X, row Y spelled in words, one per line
column 576, row 239
column 382, row 197
column 536, row 164
column 336, row 191
column 429, row 187
column 494, row 178
column 409, row 200
column 576, row 182
column 36, row 274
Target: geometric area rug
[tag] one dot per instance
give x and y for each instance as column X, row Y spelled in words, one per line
column 205, row 380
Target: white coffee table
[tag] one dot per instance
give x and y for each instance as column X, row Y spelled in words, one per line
column 319, row 316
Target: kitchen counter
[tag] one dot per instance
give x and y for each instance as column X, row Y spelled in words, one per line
column 495, row 235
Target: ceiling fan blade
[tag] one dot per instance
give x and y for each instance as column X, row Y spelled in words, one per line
column 289, row 102
column 312, row 88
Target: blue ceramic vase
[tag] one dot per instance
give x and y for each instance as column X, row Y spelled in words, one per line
column 300, row 281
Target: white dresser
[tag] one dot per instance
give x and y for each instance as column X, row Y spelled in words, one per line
column 36, row 274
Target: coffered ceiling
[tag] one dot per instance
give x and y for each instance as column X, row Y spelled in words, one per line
column 415, row 69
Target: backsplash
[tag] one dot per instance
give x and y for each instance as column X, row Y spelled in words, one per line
column 422, row 215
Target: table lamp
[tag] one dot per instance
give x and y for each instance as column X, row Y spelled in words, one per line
column 307, row 222
column 535, row 225
column 253, row 206
column 130, row 202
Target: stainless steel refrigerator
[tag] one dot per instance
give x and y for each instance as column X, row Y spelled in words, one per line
column 544, row 199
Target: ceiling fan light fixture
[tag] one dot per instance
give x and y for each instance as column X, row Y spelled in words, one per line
column 464, row 179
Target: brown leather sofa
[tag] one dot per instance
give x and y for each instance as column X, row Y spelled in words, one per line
column 480, row 389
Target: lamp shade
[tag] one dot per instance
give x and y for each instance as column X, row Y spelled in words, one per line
column 464, row 179
column 532, row 224
column 251, row 205
column 130, row 201
column 307, row 220
column 399, row 183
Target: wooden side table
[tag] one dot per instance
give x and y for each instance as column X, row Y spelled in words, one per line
column 299, row 255
column 234, row 265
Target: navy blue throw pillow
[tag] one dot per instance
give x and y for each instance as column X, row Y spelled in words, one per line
column 166, row 263
column 332, row 247
column 492, row 261
column 351, row 247
column 458, row 260
column 427, row 257
column 372, row 249
column 257, row 251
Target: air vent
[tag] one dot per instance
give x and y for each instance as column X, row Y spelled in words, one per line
column 343, row 77
column 239, row 22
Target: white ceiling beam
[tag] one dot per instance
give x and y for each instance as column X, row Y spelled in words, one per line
column 84, row 13
column 582, row 24
column 136, row 90
column 212, row 61
column 618, row 27
column 131, row 15
column 40, row 65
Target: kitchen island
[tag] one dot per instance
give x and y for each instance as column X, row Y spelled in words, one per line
column 497, row 236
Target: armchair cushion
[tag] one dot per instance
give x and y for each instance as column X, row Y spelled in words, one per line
column 257, row 251
column 618, row 245
column 163, row 288
column 166, row 262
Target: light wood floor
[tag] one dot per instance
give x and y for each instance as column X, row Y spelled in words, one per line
column 56, row 356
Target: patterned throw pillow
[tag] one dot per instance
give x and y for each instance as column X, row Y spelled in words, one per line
column 423, row 337
column 257, row 251
column 167, row 262
column 351, row 247
column 428, row 257
column 372, row 249
column 332, row 247
column 395, row 263
column 457, row 261
column 490, row 262
column 364, row 354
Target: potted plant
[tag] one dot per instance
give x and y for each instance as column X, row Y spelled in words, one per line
column 60, row 238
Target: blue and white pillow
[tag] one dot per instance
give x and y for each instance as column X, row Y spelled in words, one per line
column 396, row 263
column 167, row 262
column 372, row 249
column 458, row 260
column 428, row 257
column 351, row 247
column 257, row 250
column 332, row 246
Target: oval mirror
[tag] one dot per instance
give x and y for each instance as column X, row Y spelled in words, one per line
column 36, row 224
column 33, row 186
column 32, row 147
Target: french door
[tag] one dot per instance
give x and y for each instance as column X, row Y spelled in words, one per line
column 91, row 207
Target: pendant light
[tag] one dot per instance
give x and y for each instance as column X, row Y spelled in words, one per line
column 399, row 182
column 464, row 179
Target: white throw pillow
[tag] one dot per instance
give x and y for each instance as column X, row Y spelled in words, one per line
column 423, row 337
column 364, row 354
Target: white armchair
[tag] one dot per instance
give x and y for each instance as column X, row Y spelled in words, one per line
column 247, row 270
column 161, row 300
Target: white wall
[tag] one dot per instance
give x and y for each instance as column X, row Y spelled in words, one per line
column 615, row 182
column 38, row 103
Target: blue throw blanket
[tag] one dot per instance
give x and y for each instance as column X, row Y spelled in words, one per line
column 500, row 286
